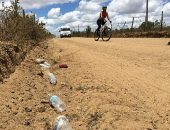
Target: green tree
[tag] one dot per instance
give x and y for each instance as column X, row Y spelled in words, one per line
column 157, row 24
column 148, row 28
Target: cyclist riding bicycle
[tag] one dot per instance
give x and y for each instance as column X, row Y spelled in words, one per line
column 102, row 17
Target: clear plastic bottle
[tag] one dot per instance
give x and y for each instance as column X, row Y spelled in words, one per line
column 45, row 65
column 56, row 102
column 61, row 123
column 52, row 78
column 40, row 61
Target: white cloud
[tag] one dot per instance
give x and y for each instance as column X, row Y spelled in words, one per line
column 54, row 13
column 126, row 6
column 41, row 3
column 88, row 6
column 6, row 3
column 166, row 10
column 120, row 11
column 30, row 4
column 70, row 16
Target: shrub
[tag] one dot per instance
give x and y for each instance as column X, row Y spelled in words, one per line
column 16, row 25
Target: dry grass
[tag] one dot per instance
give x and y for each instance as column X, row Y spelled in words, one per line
column 16, row 25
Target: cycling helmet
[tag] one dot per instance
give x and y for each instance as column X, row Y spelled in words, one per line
column 104, row 7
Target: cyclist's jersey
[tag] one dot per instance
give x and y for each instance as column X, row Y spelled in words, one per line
column 103, row 15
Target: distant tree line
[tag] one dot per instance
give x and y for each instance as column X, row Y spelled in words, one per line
column 86, row 33
column 152, row 28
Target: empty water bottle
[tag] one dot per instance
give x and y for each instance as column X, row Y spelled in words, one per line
column 56, row 102
column 40, row 61
column 61, row 123
column 52, row 78
column 45, row 65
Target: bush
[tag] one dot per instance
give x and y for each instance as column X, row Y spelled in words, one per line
column 16, row 25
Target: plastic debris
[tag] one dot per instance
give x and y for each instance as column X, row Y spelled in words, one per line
column 63, row 66
column 45, row 65
column 61, row 123
column 52, row 78
column 40, row 61
column 56, row 102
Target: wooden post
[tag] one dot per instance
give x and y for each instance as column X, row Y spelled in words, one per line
column 78, row 27
column 162, row 20
column 3, row 19
column 78, row 31
column 16, row 8
column 3, row 4
column 23, row 13
column 132, row 24
column 34, row 17
column 146, row 18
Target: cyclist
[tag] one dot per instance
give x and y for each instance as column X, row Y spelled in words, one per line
column 102, row 17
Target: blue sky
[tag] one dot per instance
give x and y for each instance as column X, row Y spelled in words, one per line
column 66, row 7
column 56, row 13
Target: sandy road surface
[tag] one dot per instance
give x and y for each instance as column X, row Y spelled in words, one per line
column 123, row 84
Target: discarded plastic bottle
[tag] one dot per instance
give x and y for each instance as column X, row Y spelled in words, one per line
column 61, row 123
column 40, row 61
column 56, row 102
column 45, row 65
column 52, row 78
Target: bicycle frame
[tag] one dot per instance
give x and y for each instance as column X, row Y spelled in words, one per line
column 100, row 33
column 103, row 27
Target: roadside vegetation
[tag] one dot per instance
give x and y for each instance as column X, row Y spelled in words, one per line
column 19, row 33
column 154, row 29
column 16, row 25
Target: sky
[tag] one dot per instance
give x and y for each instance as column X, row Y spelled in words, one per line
column 74, row 13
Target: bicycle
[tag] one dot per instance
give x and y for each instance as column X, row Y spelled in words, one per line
column 105, row 33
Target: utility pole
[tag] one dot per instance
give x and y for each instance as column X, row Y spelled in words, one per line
column 23, row 13
column 2, row 3
column 132, row 24
column 162, row 20
column 146, row 18
column 3, row 18
column 34, row 20
column 78, row 31
column 78, row 27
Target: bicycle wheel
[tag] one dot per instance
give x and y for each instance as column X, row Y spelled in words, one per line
column 96, row 35
column 107, row 34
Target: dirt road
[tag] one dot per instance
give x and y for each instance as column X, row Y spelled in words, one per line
column 123, row 84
